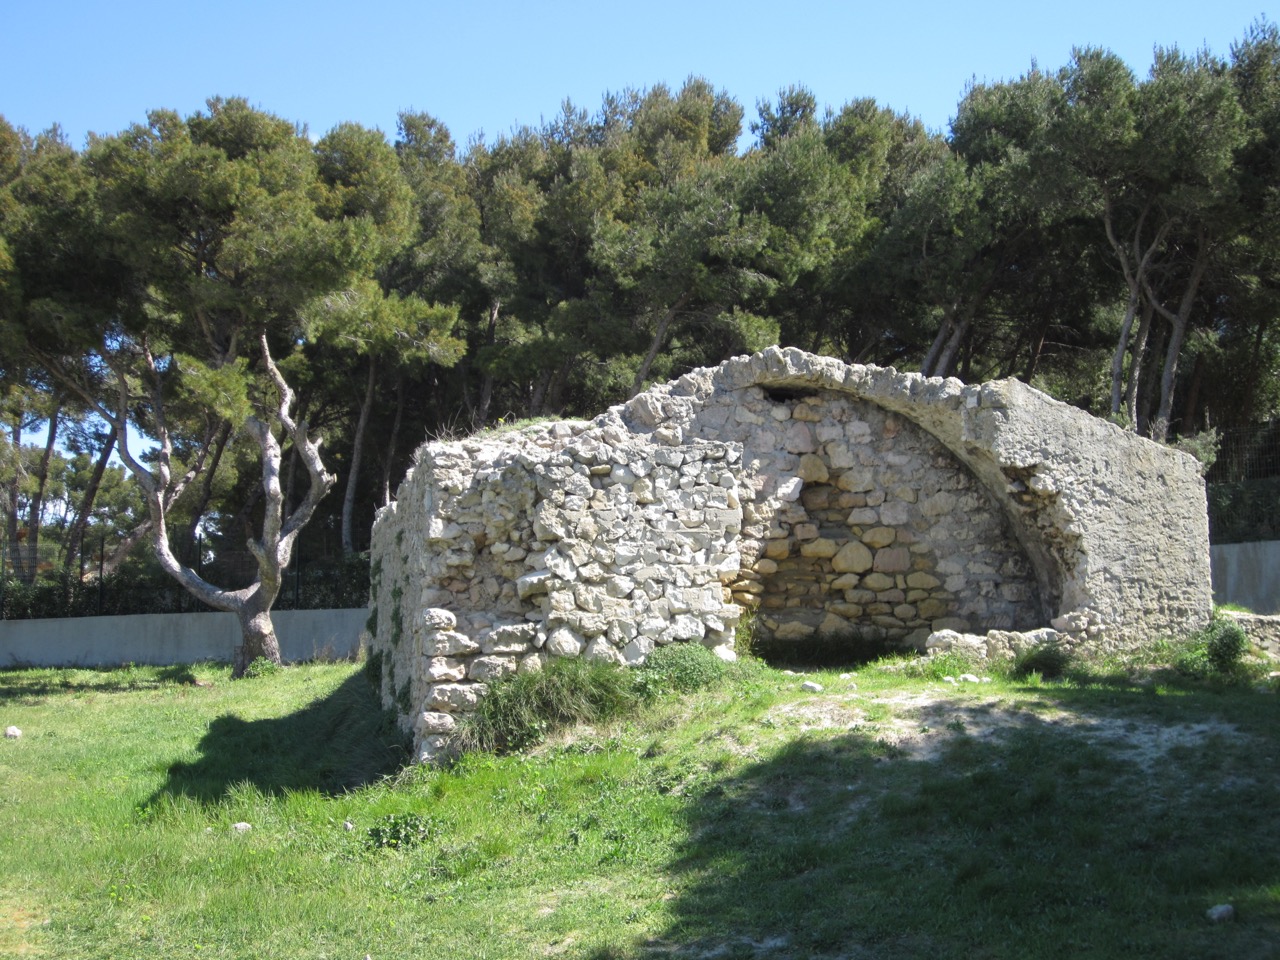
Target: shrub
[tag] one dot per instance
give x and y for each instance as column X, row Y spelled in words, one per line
column 680, row 667
column 1050, row 660
column 1225, row 644
column 261, row 667
column 520, row 710
column 1216, row 651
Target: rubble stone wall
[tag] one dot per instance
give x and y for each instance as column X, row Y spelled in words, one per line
column 824, row 499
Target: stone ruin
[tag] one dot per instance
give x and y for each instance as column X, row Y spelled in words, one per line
column 855, row 504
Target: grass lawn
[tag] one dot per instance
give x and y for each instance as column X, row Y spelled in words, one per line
column 892, row 814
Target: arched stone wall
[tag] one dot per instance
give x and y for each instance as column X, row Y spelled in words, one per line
column 887, row 537
column 985, row 507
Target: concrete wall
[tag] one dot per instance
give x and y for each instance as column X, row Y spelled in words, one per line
column 171, row 638
column 1247, row 574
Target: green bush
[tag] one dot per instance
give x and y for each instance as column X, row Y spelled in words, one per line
column 680, row 667
column 521, row 709
column 261, row 667
column 1225, row 644
column 1216, row 652
column 1048, row 660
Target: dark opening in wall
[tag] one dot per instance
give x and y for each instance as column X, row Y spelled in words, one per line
column 787, row 394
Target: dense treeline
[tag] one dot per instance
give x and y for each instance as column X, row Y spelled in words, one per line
column 235, row 292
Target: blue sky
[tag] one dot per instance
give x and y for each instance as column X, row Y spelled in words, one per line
column 94, row 66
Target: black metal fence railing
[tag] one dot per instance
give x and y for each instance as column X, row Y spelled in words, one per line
column 1247, row 453
column 1244, row 485
column 307, row 585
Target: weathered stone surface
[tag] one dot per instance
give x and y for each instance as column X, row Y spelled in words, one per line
column 434, row 618
column 834, row 498
column 449, row 643
column 435, row 722
column 853, row 557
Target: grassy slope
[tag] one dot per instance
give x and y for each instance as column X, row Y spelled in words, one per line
column 888, row 816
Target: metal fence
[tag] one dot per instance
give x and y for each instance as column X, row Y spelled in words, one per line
column 1244, row 485
column 43, row 590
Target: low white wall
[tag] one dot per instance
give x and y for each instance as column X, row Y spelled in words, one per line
column 1247, row 574
column 171, row 638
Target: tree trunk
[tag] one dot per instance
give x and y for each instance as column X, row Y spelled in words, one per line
column 1137, row 364
column 486, row 383
column 655, row 345
column 945, row 360
column 1177, row 332
column 390, row 457
column 75, row 536
column 34, row 517
column 1117, row 358
column 357, row 453
column 257, row 635
column 16, row 557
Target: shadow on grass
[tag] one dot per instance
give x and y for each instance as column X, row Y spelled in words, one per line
column 332, row 745
column 1042, row 838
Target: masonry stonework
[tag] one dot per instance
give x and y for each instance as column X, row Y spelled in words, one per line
column 825, row 500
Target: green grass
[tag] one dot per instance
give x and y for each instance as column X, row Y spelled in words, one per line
column 892, row 815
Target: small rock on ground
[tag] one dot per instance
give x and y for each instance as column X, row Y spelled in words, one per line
column 13, row 733
column 1222, row 913
column 810, row 687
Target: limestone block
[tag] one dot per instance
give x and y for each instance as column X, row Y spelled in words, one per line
column 789, row 489
column 932, row 609
column 853, row 557
column 448, row 643
column 455, row 697
column 563, row 642
column 531, row 663
column 685, row 627
column 878, row 537
column 442, row 669
column 922, row 581
column 435, row 618
column 491, row 668
column 895, row 513
column 862, row 517
column 878, row 581
column 781, row 549
column 892, row 560
column 857, row 480
column 833, row 624
column 509, row 638
column 813, row 469
column 822, row 547
column 430, row 722
column 533, row 584
column 601, row 649
column 794, row 630
column 799, row 438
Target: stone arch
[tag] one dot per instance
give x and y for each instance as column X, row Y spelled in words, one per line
column 864, row 528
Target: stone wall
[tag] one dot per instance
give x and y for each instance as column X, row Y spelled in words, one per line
column 852, row 503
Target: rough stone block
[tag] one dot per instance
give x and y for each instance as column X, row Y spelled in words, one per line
column 853, row 557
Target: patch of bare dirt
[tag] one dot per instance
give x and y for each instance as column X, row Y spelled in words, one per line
column 920, row 725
